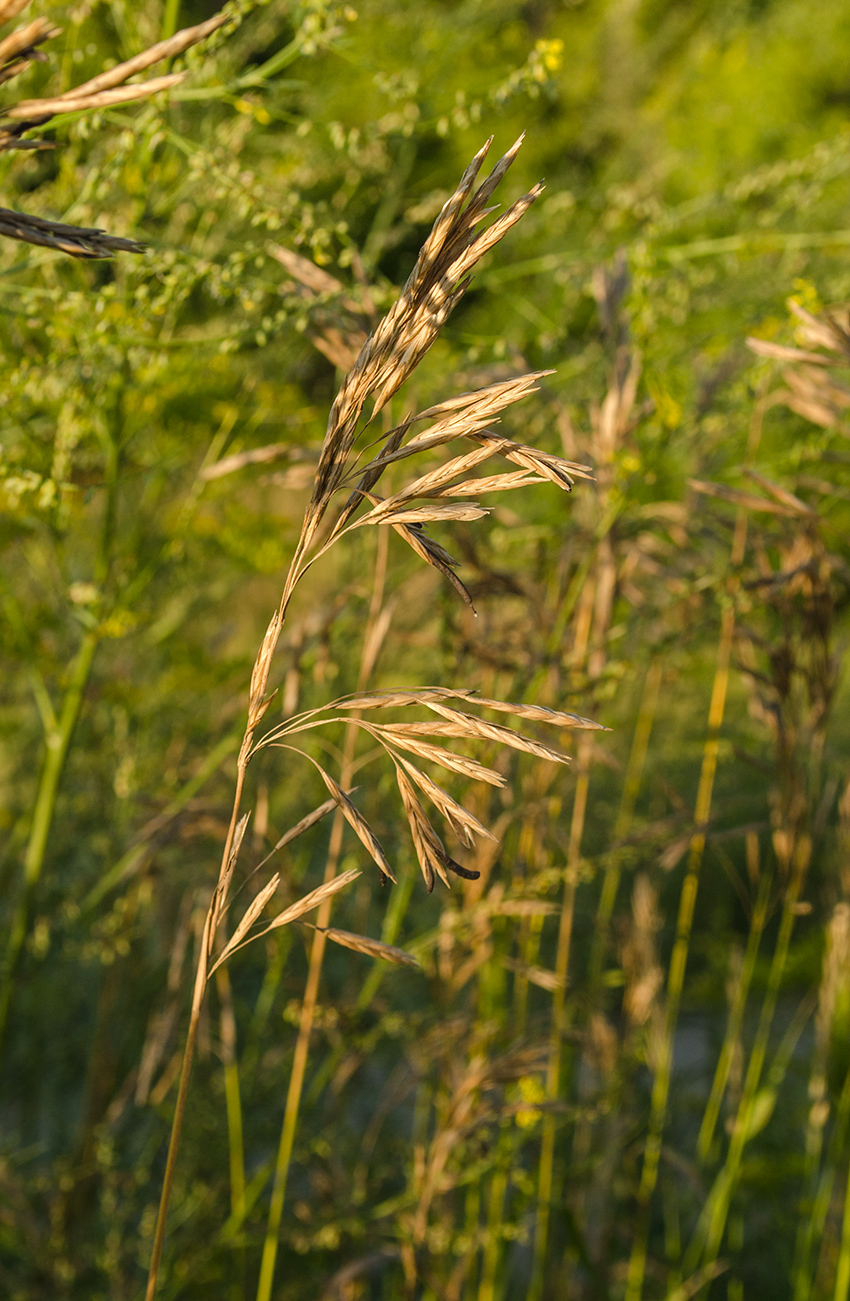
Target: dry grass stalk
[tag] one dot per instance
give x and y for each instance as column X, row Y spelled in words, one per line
column 387, row 358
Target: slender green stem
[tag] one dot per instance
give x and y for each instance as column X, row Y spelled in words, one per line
column 715, row 1213
column 736, row 1017
column 232, row 1097
column 678, row 963
column 492, row 1250
column 170, row 18
column 58, row 740
column 842, row 1273
column 57, row 745
column 814, row 1227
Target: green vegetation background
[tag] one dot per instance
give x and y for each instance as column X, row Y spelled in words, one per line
column 705, row 148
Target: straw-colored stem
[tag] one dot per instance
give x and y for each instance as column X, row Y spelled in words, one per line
column 317, row 953
column 210, row 924
column 293, row 1101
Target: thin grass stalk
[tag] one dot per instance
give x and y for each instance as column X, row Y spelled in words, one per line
column 180, row 1105
column 814, row 1227
column 832, row 986
column 233, row 1108
column 736, row 1017
column 842, row 1272
column 493, row 1242
column 58, row 740
column 631, row 787
column 57, row 745
column 232, row 1094
column 317, row 954
column 715, row 1213
column 679, row 957
column 562, row 962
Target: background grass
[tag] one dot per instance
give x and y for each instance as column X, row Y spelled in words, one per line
column 696, row 160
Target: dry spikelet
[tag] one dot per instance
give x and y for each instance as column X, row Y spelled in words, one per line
column 433, row 554
column 11, row 9
column 314, row 898
column 358, row 823
column 290, row 914
column 394, row 349
column 252, row 912
column 541, row 714
column 478, row 728
column 104, row 90
column 436, row 754
column 372, row 948
column 429, row 848
column 308, row 821
column 400, row 699
column 464, row 824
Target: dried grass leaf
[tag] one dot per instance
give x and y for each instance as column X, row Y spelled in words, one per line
column 738, row 498
column 74, row 101
column 780, row 352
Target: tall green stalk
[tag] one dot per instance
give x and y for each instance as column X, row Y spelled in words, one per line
column 712, row 1224
column 59, row 730
column 736, row 1017
column 678, row 962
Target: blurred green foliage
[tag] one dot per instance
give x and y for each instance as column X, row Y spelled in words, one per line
column 704, row 149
